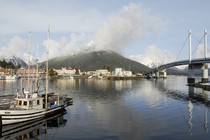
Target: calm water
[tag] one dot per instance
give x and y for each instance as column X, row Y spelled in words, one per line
column 129, row 110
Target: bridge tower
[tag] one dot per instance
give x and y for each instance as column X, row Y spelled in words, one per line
column 191, row 78
column 203, row 66
column 163, row 72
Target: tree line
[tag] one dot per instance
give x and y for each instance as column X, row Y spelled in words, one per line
column 7, row 65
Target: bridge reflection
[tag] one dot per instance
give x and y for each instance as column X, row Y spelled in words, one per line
column 197, row 104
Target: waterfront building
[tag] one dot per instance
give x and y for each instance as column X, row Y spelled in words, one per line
column 102, row 72
column 66, row 71
column 120, row 72
column 22, row 72
column 5, row 71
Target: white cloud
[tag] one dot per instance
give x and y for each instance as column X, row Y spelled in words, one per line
column 131, row 23
column 116, row 33
column 199, row 52
column 16, row 46
column 66, row 46
column 17, row 17
column 154, row 56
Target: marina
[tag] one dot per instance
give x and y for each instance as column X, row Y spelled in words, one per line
column 130, row 109
column 31, row 104
column 126, row 70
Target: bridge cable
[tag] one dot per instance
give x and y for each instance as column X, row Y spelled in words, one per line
column 197, row 44
column 182, row 47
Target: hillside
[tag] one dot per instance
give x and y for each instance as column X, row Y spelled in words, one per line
column 97, row 60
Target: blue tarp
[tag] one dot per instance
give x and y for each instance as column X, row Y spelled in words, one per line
column 54, row 106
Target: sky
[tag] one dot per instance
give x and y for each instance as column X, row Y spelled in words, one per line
column 143, row 30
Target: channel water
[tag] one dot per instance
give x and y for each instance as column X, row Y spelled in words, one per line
column 127, row 109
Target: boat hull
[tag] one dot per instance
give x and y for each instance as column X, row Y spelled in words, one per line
column 18, row 116
column 16, row 130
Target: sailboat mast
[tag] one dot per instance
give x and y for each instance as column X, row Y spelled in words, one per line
column 29, row 49
column 46, row 97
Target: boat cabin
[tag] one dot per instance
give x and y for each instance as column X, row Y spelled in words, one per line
column 31, row 102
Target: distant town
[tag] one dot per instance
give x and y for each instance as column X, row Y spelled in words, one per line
column 9, row 72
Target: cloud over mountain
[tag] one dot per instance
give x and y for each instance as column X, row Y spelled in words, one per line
column 131, row 23
column 117, row 32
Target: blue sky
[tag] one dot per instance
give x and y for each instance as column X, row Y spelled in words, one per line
column 138, row 29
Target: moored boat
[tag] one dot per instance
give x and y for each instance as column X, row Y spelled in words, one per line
column 2, row 77
column 31, row 105
column 11, row 77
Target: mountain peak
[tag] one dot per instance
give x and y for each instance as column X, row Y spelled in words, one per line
column 93, row 60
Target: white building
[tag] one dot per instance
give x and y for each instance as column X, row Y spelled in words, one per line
column 64, row 71
column 102, row 72
column 118, row 72
column 127, row 73
column 121, row 72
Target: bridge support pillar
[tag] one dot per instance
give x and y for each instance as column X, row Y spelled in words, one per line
column 205, row 77
column 197, row 66
column 190, row 79
column 157, row 74
column 163, row 73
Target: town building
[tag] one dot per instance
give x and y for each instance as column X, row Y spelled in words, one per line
column 24, row 72
column 66, row 71
column 121, row 72
column 102, row 72
column 4, row 71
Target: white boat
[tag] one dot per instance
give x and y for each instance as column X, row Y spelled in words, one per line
column 29, row 105
column 11, row 77
column 32, row 107
column 2, row 77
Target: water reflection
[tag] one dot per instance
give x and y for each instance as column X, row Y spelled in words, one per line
column 190, row 107
column 9, row 86
column 206, row 120
column 134, row 109
column 33, row 129
column 203, row 98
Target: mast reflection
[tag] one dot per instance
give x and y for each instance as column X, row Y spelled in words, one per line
column 190, row 109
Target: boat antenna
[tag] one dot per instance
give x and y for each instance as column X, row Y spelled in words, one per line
column 46, row 97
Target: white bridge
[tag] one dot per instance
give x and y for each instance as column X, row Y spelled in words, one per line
column 193, row 64
column 179, row 63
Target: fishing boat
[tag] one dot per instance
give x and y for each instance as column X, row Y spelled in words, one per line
column 29, row 105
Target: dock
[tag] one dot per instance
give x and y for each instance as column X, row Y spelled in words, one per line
column 205, row 86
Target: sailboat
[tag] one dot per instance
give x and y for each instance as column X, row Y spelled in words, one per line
column 31, row 106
